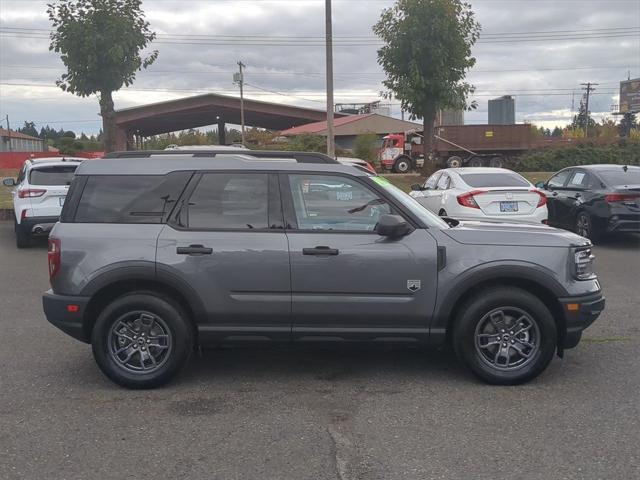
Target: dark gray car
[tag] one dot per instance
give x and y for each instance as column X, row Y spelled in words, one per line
column 155, row 256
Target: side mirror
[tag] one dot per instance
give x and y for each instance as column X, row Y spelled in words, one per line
column 9, row 182
column 540, row 185
column 392, row 226
column 416, row 187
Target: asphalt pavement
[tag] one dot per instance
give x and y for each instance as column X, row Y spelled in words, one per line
column 321, row 413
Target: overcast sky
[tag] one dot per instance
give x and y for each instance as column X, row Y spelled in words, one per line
column 540, row 51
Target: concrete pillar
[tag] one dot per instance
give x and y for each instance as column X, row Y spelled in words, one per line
column 222, row 140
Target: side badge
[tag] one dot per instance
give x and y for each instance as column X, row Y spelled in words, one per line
column 413, row 285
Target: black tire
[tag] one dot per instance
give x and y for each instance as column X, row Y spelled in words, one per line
column 584, row 226
column 179, row 340
column 476, row 162
column 468, row 330
column 496, row 162
column 454, row 162
column 402, row 165
column 23, row 238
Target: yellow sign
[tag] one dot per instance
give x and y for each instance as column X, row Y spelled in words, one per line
column 488, row 134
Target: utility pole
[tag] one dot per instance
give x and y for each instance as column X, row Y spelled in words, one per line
column 588, row 87
column 9, row 133
column 331, row 148
column 239, row 78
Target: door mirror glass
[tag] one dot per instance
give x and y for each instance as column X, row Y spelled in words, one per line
column 9, row 182
column 540, row 185
column 392, row 226
column 416, row 187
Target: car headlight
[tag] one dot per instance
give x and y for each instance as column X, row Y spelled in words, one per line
column 583, row 264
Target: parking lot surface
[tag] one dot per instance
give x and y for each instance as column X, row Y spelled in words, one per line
column 321, row 413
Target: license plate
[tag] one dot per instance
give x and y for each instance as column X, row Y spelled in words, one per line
column 508, row 206
column 61, row 200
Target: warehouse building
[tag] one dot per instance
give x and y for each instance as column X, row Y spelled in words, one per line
column 11, row 141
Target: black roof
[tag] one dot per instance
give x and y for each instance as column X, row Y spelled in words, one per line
column 300, row 157
column 606, row 166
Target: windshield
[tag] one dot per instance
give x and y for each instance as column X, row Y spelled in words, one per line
column 418, row 210
column 55, row 175
column 497, row 179
column 620, row 177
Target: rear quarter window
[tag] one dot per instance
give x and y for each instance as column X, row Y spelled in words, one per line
column 130, row 198
column 52, row 175
column 498, row 179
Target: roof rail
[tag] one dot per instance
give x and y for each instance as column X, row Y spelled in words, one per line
column 300, row 157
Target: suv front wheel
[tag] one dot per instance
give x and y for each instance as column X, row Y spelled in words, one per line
column 141, row 340
column 505, row 335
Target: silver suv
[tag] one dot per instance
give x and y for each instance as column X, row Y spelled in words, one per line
column 159, row 253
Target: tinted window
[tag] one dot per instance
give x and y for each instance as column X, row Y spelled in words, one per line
column 58, row 175
column 578, row 180
column 432, row 181
column 443, row 183
column 620, row 177
column 324, row 202
column 230, row 201
column 559, row 179
column 497, row 179
column 21, row 175
column 130, row 198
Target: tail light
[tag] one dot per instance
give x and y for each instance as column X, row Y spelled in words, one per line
column 542, row 201
column 620, row 197
column 53, row 256
column 31, row 193
column 467, row 200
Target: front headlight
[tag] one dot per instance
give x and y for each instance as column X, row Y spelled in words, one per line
column 583, row 264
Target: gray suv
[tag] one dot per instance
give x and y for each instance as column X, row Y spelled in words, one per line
column 158, row 254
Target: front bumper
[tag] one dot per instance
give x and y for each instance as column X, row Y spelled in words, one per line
column 580, row 312
column 69, row 320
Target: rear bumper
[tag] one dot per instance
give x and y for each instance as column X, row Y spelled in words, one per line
column 580, row 312
column 57, row 312
column 623, row 223
column 38, row 225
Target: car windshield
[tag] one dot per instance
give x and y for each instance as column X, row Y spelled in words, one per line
column 52, row 175
column 497, row 179
column 418, row 210
column 620, row 177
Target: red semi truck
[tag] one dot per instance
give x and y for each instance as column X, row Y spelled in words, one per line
column 460, row 145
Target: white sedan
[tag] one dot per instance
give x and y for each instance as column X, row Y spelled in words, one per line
column 493, row 194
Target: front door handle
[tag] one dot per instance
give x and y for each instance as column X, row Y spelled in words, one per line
column 194, row 250
column 320, row 250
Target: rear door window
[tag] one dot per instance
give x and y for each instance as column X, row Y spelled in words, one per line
column 52, row 175
column 579, row 179
column 230, row 201
column 497, row 179
column 130, row 198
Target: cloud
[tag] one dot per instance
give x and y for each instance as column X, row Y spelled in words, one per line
column 543, row 76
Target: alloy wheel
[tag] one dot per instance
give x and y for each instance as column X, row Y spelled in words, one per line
column 140, row 342
column 507, row 338
column 583, row 226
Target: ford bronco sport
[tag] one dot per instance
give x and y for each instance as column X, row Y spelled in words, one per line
column 159, row 253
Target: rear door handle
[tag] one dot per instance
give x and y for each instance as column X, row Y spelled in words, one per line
column 320, row 250
column 194, row 250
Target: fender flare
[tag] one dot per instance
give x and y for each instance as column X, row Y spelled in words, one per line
column 480, row 274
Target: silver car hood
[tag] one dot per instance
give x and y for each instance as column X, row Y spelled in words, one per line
column 494, row 233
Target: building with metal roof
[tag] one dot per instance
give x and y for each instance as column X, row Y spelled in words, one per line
column 346, row 129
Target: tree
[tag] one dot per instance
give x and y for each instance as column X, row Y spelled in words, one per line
column 557, row 132
column 100, row 44
column 366, row 147
column 29, row 128
column 426, row 55
column 627, row 124
column 582, row 118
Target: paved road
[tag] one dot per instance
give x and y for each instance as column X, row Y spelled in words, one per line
column 317, row 414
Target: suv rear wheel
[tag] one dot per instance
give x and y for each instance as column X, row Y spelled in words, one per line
column 505, row 336
column 141, row 340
